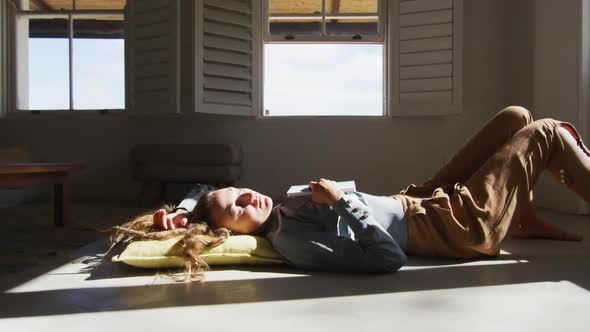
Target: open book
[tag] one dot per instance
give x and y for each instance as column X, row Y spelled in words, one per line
column 305, row 190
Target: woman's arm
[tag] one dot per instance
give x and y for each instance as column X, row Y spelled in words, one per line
column 179, row 216
column 378, row 250
column 372, row 250
column 190, row 200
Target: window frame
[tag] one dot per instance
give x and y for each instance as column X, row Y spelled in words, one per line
column 378, row 38
column 381, row 38
column 20, row 16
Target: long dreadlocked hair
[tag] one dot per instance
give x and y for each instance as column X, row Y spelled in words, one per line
column 198, row 235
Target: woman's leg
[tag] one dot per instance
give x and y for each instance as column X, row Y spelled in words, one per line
column 571, row 165
column 529, row 225
column 498, row 192
column 495, row 133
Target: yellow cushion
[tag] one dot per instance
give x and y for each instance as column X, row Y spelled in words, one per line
column 238, row 249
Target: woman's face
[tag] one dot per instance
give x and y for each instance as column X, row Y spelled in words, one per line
column 240, row 209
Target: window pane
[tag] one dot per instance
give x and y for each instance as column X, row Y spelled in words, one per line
column 49, row 4
column 362, row 20
column 99, row 66
column 48, row 65
column 295, row 17
column 323, row 79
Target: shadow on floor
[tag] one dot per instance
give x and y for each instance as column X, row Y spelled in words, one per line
column 529, row 261
column 316, row 285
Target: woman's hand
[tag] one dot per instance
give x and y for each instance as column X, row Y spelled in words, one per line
column 167, row 221
column 325, row 192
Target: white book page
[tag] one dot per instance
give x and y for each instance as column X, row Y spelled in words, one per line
column 305, row 190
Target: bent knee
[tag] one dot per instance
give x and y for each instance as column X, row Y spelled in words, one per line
column 515, row 117
column 518, row 114
column 546, row 128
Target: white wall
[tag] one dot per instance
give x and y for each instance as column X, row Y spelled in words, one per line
column 556, row 81
column 100, row 142
column 518, row 52
column 382, row 154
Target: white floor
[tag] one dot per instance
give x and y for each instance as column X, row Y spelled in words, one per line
column 535, row 285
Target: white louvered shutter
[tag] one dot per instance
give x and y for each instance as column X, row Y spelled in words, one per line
column 7, row 57
column 228, row 56
column 153, row 56
column 426, row 54
column 3, row 76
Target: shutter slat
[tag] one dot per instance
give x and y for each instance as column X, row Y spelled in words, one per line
column 151, row 31
column 154, row 70
column 227, row 98
column 152, row 17
column 227, row 57
column 421, row 45
column 228, row 44
column 152, row 44
column 444, row 16
column 227, row 17
column 151, row 5
column 227, row 71
column 426, row 58
column 152, row 57
column 227, row 30
column 227, row 84
column 424, row 5
column 427, row 31
column 441, row 98
column 233, row 5
column 426, row 71
column 151, row 100
column 430, row 84
column 152, row 84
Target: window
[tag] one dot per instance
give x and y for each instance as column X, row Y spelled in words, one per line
column 324, row 57
column 70, row 55
column 324, row 20
column 406, row 56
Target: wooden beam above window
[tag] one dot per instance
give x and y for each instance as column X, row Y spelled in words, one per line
column 40, row 5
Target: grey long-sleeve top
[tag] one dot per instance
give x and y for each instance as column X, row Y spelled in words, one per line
column 360, row 232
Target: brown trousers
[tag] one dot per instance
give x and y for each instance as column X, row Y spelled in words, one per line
column 466, row 208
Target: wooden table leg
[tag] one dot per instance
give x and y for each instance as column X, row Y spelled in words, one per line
column 20, row 175
column 59, row 205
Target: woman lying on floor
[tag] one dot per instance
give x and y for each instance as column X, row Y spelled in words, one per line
column 465, row 210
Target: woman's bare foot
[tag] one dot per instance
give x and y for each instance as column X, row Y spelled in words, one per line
column 530, row 226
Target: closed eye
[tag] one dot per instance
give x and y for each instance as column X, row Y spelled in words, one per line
column 238, row 211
